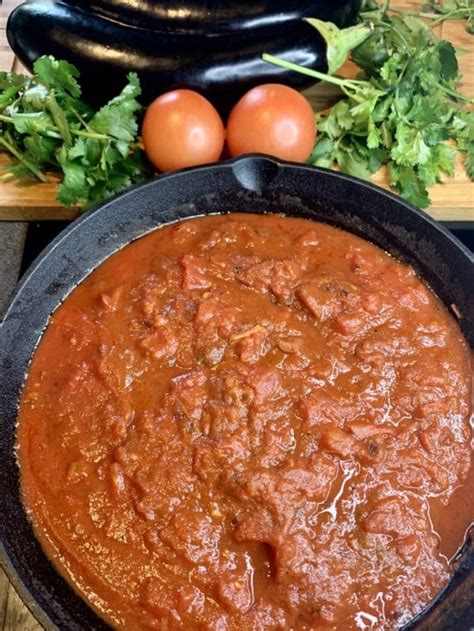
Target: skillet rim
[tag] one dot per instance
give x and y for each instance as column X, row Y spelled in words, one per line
column 248, row 161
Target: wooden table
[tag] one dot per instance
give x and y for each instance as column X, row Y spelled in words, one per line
column 453, row 201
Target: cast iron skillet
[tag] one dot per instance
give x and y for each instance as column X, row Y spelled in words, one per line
column 248, row 184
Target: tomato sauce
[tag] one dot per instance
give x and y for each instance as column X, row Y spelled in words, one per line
column 250, row 422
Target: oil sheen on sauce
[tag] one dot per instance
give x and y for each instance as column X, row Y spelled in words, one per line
column 250, row 422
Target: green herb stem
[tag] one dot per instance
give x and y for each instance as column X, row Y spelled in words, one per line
column 455, row 94
column 90, row 134
column 79, row 118
column 21, row 158
column 351, row 84
column 440, row 18
column 54, row 132
column 437, row 18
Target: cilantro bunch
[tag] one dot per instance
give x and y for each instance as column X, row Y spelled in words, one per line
column 450, row 10
column 402, row 111
column 44, row 126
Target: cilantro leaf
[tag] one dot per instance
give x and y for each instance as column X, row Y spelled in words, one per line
column 409, row 148
column 41, row 148
column 352, row 159
column 469, row 163
column 374, row 136
column 117, row 118
column 324, row 153
column 73, row 188
column 448, row 60
column 409, row 184
column 442, row 162
column 10, row 85
column 32, row 122
column 12, row 79
column 60, row 75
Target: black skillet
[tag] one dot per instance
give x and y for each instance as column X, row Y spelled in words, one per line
column 249, row 184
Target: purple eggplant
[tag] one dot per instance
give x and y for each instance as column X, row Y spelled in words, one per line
column 213, row 57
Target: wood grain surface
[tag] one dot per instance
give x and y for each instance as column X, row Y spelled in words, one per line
column 453, row 200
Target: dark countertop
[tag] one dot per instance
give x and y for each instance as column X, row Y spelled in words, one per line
column 12, row 239
column 13, row 614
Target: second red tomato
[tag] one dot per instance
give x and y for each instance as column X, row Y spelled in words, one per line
column 272, row 119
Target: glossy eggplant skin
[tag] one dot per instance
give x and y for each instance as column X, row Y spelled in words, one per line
column 218, row 16
column 222, row 67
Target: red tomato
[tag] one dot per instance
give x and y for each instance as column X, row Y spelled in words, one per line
column 272, row 119
column 182, row 129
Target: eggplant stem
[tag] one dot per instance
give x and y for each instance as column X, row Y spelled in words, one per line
column 342, row 83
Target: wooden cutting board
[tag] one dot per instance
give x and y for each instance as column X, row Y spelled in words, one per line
column 451, row 201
